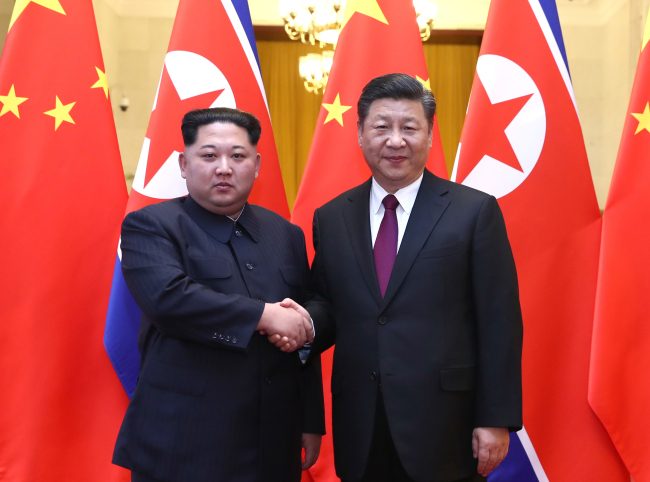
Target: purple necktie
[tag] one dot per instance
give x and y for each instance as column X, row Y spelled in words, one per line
column 385, row 250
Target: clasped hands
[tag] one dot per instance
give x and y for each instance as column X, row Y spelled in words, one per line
column 287, row 325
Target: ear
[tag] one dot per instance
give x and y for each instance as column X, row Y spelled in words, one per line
column 359, row 131
column 430, row 137
column 258, row 161
column 182, row 162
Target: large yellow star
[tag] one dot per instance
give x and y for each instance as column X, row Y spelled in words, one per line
column 61, row 113
column 366, row 7
column 102, row 82
column 10, row 102
column 425, row 83
column 22, row 4
column 336, row 110
column 644, row 119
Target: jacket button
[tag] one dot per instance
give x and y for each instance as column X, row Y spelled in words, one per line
column 215, row 335
column 234, row 339
column 268, row 380
column 228, row 338
column 249, row 266
column 373, row 376
column 238, row 233
column 220, row 336
column 382, row 320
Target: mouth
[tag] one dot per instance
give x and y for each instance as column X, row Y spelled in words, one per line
column 223, row 186
column 395, row 159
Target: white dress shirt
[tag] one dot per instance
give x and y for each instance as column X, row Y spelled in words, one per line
column 406, row 198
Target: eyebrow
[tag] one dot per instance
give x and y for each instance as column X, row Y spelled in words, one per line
column 387, row 117
column 213, row 146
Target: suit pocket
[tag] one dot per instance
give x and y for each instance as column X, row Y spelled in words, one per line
column 442, row 251
column 458, row 379
column 175, row 379
column 291, row 275
column 209, row 268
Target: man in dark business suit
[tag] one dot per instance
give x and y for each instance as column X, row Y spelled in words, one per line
column 215, row 401
column 414, row 281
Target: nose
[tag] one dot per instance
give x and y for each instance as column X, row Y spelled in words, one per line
column 395, row 140
column 223, row 167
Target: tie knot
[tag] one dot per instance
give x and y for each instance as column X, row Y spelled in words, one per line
column 390, row 202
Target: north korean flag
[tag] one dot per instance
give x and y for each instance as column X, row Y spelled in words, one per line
column 211, row 62
column 522, row 142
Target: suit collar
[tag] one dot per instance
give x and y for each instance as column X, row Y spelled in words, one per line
column 220, row 227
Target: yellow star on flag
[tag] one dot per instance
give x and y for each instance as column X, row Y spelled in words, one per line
column 644, row 119
column 10, row 102
column 366, row 7
column 336, row 110
column 646, row 34
column 20, row 6
column 61, row 113
column 102, row 82
column 425, row 83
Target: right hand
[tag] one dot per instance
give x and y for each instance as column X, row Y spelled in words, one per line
column 285, row 322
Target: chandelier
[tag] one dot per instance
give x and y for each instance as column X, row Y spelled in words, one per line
column 312, row 21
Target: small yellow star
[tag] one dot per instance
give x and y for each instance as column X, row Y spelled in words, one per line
column 61, row 113
column 20, row 6
column 644, row 119
column 10, row 102
column 425, row 83
column 366, row 7
column 336, row 110
column 102, row 82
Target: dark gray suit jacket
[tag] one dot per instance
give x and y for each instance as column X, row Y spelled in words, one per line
column 215, row 400
column 444, row 343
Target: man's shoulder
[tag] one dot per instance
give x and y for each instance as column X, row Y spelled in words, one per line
column 160, row 212
column 267, row 217
column 360, row 192
column 454, row 191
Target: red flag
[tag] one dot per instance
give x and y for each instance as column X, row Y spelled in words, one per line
column 620, row 358
column 522, row 142
column 199, row 73
column 63, row 196
column 378, row 37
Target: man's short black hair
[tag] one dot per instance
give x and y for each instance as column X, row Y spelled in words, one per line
column 397, row 87
column 223, row 115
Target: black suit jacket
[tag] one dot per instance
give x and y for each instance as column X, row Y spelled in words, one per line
column 215, row 400
column 445, row 341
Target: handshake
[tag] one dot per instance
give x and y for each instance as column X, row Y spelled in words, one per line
column 287, row 325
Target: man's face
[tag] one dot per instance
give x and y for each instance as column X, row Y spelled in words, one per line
column 220, row 168
column 395, row 139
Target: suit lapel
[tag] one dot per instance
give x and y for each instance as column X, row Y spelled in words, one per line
column 427, row 210
column 357, row 223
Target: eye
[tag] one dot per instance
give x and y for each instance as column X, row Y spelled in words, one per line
column 208, row 155
column 238, row 156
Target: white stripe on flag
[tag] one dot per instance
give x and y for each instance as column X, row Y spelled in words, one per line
column 243, row 40
column 532, row 455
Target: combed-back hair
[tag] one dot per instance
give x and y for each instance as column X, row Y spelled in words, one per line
column 223, row 115
column 397, row 87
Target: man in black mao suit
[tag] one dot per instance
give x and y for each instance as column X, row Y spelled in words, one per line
column 215, row 401
column 415, row 283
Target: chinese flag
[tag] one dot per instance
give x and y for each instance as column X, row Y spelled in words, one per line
column 63, row 195
column 378, row 37
column 522, row 142
column 619, row 391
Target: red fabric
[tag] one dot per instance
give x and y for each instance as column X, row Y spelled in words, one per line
column 238, row 87
column 367, row 48
column 63, row 196
column 554, row 225
column 620, row 359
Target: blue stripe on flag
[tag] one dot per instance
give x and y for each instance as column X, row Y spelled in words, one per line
column 550, row 10
column 516, row 467
column 121, row 331
column 241, row 6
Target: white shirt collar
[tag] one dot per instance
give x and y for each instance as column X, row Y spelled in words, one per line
column 405, row 196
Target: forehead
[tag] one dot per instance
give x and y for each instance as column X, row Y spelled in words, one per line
column 223, row 132
column 396, row 109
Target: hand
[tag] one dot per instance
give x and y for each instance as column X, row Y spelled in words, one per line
column 311, row 444
column 490, row 446
column 286, row 322
column 309, row 328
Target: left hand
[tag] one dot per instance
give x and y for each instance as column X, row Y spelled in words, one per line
column 311, row 444
column 490, row 446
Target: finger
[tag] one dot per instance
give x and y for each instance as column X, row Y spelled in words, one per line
column 262, row 332
column 489, row 466
column 483, row 457
column 475, row 446
column 287, row 303
column 286, row 347
column 274, row 338
column 281, row 342
column 308, row 329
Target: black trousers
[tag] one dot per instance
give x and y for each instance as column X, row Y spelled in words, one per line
column 384, row 464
